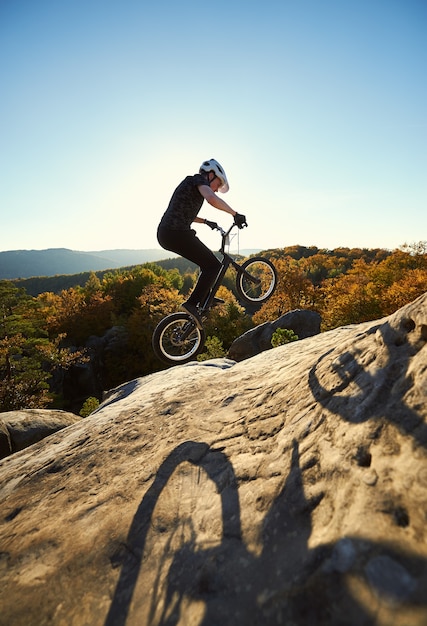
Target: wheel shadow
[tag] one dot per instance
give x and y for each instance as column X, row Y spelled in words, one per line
column 357, row 395
column 287, row 582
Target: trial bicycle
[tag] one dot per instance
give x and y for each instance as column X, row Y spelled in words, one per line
column 178, row 339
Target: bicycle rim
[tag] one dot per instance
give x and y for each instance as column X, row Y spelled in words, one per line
column 260, row 289
column 177, row 339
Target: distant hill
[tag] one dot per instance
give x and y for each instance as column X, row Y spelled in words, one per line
column 15, row 264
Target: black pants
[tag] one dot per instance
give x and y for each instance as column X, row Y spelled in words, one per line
column 186, row 244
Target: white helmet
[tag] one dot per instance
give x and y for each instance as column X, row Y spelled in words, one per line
column 215, row 167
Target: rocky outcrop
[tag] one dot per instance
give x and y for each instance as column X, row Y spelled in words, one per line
column 20, row 429
column 304, row 323
column 86, row 379
column 289, row 488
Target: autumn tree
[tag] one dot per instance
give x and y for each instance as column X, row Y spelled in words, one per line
column 351, row 298
column 27, row 356
column 402, row 276
column 405, row 290
column 229, row 320
column 321, row 266
column 135, row 357
column 294, row 291
column 77, row 314
column 125, row 287
column 372, row 290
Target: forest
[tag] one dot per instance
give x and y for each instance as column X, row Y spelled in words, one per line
column 99, row 330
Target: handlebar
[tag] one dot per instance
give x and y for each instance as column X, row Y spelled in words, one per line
column 223, row 232
column 239, row 221
column 225, row 235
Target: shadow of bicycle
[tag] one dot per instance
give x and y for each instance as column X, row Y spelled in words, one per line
column 175, row 570
column 370, row 382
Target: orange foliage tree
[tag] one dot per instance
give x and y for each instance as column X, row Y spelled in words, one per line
column 227, row 321
column 372, row 290
column 294, row 291
column 28, row 357
column 76, row 315
column 136, row 357
column 350, row 298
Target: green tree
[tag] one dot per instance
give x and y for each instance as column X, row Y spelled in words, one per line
column 92, row 286
column 89, row 406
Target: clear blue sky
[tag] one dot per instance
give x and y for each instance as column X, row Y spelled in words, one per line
column 315, row 108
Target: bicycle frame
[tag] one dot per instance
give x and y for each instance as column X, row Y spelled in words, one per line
column 226, row 261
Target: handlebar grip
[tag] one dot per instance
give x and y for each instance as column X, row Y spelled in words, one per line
column 240, row 220
column 212, row 225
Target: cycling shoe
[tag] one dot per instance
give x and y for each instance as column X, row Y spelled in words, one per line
column 191, row 309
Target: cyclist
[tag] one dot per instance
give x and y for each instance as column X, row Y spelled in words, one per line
column 174, row 232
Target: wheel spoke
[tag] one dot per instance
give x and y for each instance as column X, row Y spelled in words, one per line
column 177, row 339
column 260, row 283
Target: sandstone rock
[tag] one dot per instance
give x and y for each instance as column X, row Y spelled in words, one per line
column 303, row 323
column 20, row 429
column 289, row 488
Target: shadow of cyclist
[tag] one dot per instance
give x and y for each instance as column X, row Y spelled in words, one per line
column 214, row 462
column 286, row 582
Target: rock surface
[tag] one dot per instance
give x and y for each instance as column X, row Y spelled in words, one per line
column 289, row 488
column 304, row 324
column 20, row 429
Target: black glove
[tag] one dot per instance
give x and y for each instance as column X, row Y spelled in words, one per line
column 212, row 225
column 240, row 220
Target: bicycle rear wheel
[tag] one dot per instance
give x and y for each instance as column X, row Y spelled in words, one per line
column 177, row 339
column 257, row 281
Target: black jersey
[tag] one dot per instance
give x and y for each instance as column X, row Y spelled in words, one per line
column 185, row 203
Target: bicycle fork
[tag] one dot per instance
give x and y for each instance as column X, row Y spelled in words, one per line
column 227, row 261
column 246, row 274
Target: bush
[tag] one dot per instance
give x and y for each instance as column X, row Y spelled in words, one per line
column 214, row 349
column 89, row 406
column 282, row 336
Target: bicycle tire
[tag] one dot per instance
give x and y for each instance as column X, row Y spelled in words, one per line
column 167, row 341
column 264, row 271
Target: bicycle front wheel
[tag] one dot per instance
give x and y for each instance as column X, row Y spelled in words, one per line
column 256, row 280
column 177, row 339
